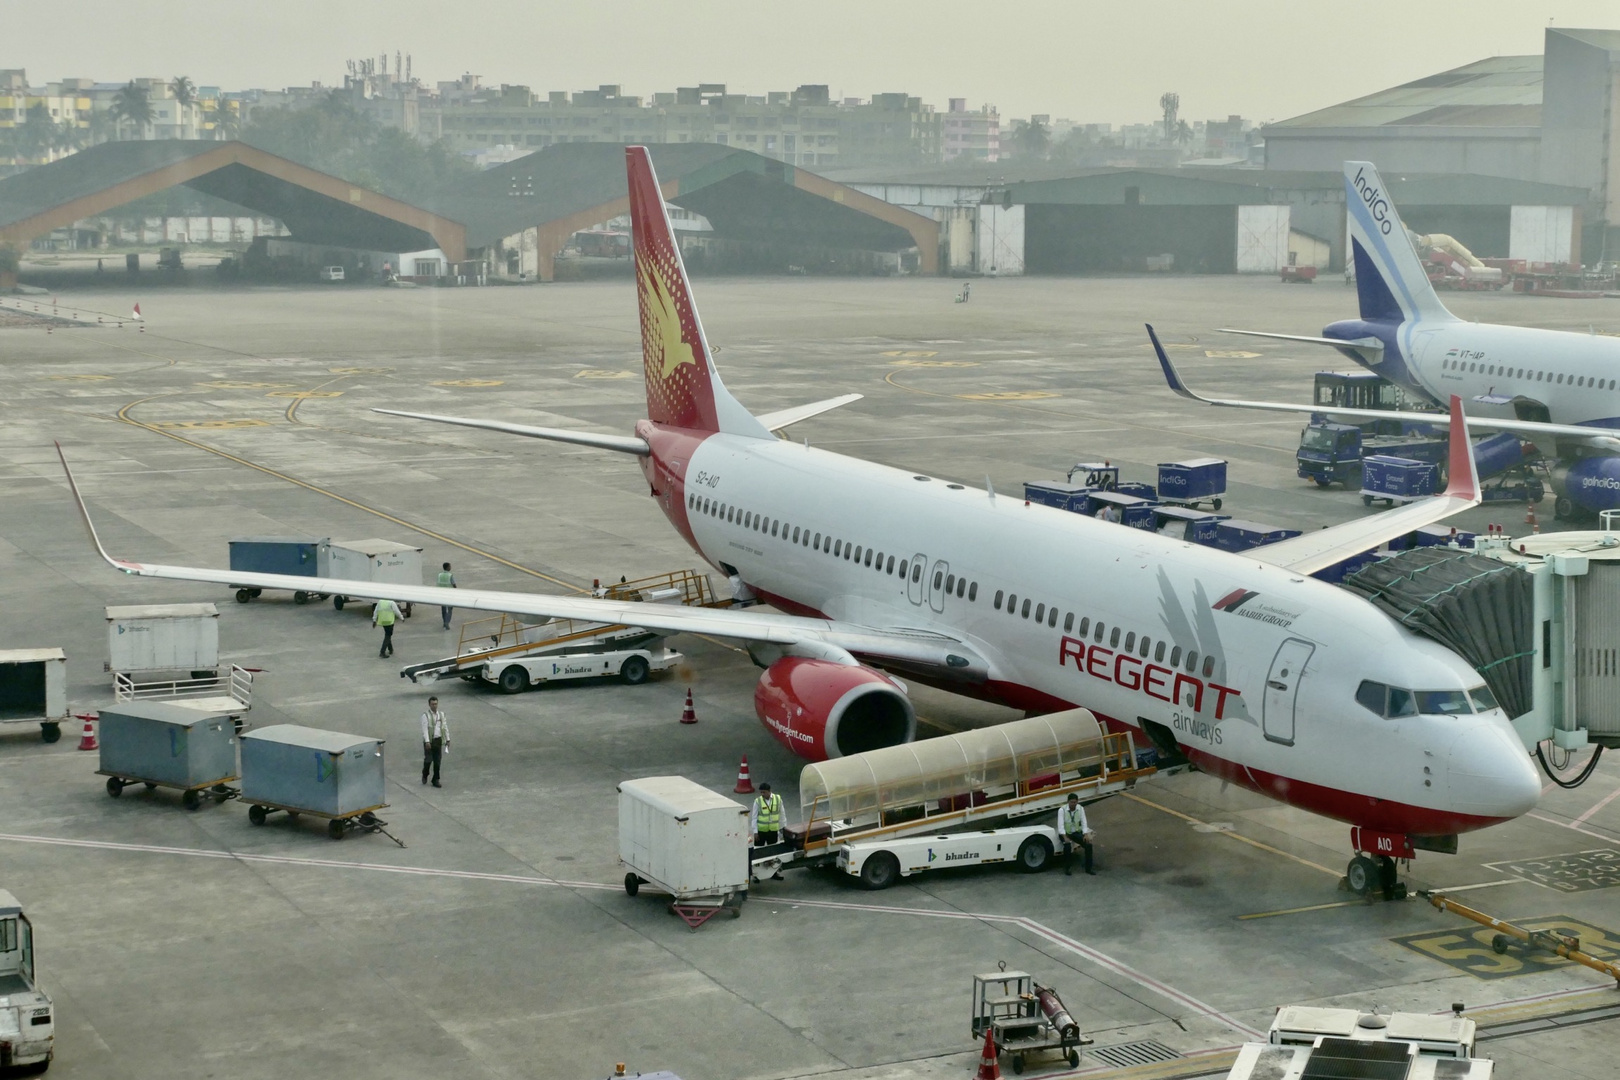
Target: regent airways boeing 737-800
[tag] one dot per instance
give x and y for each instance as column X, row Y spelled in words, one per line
column 1562, row 389
column 1244, row 664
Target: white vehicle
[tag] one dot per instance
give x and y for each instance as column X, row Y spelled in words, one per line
column 27, row 1021
column 1244, row 665
column 331, row 273
column 1307, row 1041
column 515, row 675
column 1552, row 386
column 880, row 863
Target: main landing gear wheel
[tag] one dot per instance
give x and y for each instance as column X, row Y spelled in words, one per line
column 1364, row 876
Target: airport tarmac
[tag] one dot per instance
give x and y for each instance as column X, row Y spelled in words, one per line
column 500, row 942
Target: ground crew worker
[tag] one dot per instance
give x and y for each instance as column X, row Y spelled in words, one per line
column 447, row 580
column 384, row 615
column 1076, row 834
column 765, row 822
column 435, row 740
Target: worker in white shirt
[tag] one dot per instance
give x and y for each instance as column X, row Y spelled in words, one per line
column 765, row 822
column 385, row 614
column 435, row 740
column 1076, row 833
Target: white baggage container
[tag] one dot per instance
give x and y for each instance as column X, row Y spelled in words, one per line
column 683, row 838
column 163, row 637
column 376, row 561
column 33, row 689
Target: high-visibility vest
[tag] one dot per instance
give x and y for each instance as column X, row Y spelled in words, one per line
column 386, row 611
column 446, row 578
column 1074, row 821
column 769, row 813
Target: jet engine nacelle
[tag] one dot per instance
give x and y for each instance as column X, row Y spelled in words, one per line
column 1589, row 484
column 820, row 709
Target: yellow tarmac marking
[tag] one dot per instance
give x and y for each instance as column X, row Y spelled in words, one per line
column 598, row 373
column 359, row 370
column 939, row 363
column 227, row 385
column 79, row 378
column 302, row 394
column 911, row 352
column 1235, row 836
column 470, row 382
column 1300, row 910
column 207, row 425
column 1009, row 395
column 1230, row 354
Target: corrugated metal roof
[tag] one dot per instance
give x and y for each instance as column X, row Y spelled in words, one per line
column 1242, row 187
column 1443, row 99
column 89, row 171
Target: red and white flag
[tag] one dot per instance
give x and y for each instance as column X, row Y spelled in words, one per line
column 136, row 314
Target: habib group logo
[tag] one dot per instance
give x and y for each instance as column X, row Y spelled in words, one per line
column 1234, row 599
column 1237, row 602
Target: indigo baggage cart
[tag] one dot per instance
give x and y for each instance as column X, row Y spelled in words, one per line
column 1188, row 483
column 1234, row 534
column 167, row 746
column 325, row 774
column 293, row 555
column 1057, row 494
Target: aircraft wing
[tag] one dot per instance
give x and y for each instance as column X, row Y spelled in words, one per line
column 1528, row 428
column 780, row 419
column 1313, row 551
column 624, row 444
column 821, row 638
column 1332, row 343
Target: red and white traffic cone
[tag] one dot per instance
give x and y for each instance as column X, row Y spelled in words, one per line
column 688, row 715
column 989, row 1069
column 1530, row 517
column 745, row 786
column 87, row 741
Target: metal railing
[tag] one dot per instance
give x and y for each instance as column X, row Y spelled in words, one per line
column 237, row 685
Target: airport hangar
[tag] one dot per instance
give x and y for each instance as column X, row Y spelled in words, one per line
column 1053, row 219
column 508, row 222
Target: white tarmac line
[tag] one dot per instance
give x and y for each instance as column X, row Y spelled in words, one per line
column 1600, row 804
column 1570, row 825
column 1028, row 925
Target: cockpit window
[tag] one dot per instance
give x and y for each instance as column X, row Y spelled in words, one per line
column 1401, row 703
column 1484, row 700
column 1441, row 702
column 1370, row 695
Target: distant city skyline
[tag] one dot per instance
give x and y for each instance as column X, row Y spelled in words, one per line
column 1262, row 59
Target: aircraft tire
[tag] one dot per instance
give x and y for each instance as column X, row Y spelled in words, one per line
column 1363, row 876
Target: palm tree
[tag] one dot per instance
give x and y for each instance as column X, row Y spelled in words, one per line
column 1184, row 132
column 133, row 105
column 226, row 119
column 37, row 134
column 1169, row 105
column 185, row 97
column 70, row 136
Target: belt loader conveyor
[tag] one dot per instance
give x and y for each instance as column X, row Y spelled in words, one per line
column 959, row 800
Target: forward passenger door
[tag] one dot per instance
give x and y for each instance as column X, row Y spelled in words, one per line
column 1282, row 690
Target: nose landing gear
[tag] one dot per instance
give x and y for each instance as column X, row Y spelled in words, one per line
column 1373, row 873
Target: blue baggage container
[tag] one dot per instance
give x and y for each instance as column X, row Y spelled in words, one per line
column 166, row 744
column 1234, row 534
column 1135, row 512
column 1396, row 479
column 1193, row 481
column 300, row 556
column 1139, row 489
column 1184, row 523
column 1057, row 494
column 1432, row 536
column 307, row 770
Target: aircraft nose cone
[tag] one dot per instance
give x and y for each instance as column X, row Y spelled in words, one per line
column 1489, row 772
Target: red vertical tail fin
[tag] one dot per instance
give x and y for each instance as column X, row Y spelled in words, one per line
column 683, row 388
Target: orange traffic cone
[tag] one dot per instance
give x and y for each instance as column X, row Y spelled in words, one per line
column 688, row 716
column 1530, row 517
column 988, row 1068
column 745, row 786
column 87, row 741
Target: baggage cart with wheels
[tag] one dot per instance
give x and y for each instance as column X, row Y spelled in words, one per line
column 1197, row 480
column 33, row 689
column 324, row 774
column 301, row 556
column 165, row 746
column 687, row 841
column 375, row 561
column 1057, row 494
column 1397, row 479
column 145, row 639
column 1024, row 1018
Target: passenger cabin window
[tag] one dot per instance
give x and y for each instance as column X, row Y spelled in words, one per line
column 950, row 582
column 1099, row 637
column 902, row 569
column 1158, row 654
column 961, row 587
column 891, row 565
column 1012, row 603
column 1209, row 665
column 1113, row 640
column 973, row 590
column 838, row 547
column 1068, row 623
column 1143, row 651
column 1192, row 661
column 916, row 571
column 1130, row 641
column 939, row 577
column 1175, row 656
column 997, row 602
column 1040, row 613
column 1051, row 617
column 1025, row 612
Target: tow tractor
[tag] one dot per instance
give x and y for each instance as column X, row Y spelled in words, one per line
column 27, row 1023
column 516, row 655
column 969, row 799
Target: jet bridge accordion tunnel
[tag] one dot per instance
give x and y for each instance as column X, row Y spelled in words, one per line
column 1480, row 608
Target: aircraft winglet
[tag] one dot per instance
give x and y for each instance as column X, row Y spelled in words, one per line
column 84, row 515
column 1171, row 375
column 1464, row 478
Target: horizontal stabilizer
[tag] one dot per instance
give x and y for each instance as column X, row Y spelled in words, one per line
column 782, row 418
column 624, row 444
column 1332, row 343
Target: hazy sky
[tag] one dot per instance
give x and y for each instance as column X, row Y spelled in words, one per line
column 1079, row 59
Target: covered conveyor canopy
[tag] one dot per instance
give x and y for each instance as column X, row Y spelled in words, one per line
column 989, row 760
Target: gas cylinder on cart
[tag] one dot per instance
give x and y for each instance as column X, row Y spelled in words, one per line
column 1056, row 1014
